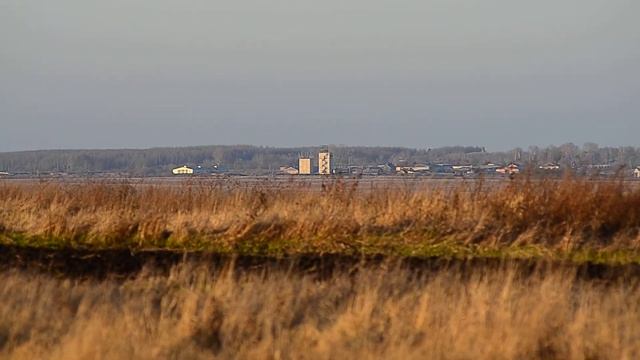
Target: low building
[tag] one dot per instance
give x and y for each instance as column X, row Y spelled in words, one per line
column 636, row 172
column 442, row 168
column 413, row 169
column 183, row 170
column 372, row 170
column 486, row 169
column 400, row 169
column 342, row 170
column 460, row 168
column 420, row 168
column 549, row 167
column 289, row 170
column 354, row 170
column 509, row 169
column 387, row 168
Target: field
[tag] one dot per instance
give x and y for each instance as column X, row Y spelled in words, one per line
column 573, row 219
column 521, row 269
column 481, row 312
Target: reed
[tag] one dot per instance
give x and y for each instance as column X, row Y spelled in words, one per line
column 376, row 313
column 520, row 218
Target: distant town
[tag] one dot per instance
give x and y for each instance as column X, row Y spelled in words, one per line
column 333, row 160
column 325, row 166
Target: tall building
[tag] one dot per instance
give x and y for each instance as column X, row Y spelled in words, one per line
column 304, row 166
column 324, row 162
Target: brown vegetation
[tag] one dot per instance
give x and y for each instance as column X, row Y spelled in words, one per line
column 380, row 311
column 419, row 219
column 375, row 313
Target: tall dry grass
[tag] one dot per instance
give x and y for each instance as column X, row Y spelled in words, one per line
column 559, row 215
column 377, row 313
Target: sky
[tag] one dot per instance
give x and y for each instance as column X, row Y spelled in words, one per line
column 415, row 73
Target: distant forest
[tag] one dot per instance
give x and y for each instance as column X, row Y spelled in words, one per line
column 255, row 159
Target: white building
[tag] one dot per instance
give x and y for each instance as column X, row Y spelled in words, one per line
column 549, row 166
column 324, row 162
column 509, row 169
column 289, row 170
column 418, row 168
column 183, row 170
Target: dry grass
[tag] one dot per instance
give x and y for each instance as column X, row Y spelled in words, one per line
column 541, row 216
column 376, row 313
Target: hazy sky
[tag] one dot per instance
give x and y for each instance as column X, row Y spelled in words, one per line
column 418, row 73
